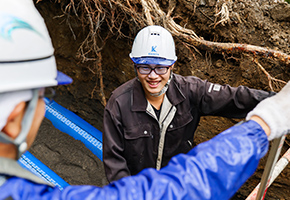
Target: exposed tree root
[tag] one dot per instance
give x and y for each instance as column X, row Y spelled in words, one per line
column 99, row 73
column 233, row 48
column 222, row 10
column 274, row 84
column 190, row 37
column 114, row 14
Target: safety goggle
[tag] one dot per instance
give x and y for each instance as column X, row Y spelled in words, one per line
column 146, row 69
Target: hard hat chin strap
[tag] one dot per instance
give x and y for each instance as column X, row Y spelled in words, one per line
column 164, row 89
column 20, row 140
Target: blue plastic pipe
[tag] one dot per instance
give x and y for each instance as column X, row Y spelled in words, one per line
column 34, row 165
column 68, row 122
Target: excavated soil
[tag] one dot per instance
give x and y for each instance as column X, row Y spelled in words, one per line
column 262, row 23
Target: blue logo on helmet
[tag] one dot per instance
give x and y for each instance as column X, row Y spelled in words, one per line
column 9, row 23
column 153, row 51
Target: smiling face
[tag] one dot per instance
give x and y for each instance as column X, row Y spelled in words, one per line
column 152, row 82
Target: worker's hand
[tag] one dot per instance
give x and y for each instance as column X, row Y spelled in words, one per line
column 275, row 111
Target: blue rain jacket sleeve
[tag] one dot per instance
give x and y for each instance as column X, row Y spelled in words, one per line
column 215, row 169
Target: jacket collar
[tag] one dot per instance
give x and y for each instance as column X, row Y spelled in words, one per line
column 174, row 93
column 139, row 102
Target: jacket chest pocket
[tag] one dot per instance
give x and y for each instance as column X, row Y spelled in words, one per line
column 140, row 142
column 178, row 135
column 180, row 121
column 138, row 132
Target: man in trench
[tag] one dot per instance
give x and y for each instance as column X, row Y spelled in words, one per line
column 153, row 117
column 233, row 155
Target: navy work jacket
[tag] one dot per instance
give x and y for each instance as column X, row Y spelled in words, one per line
column 134, row 139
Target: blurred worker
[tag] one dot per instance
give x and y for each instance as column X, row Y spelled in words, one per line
column 154, row 116
column 232, row 155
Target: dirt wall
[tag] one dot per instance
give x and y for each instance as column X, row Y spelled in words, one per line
column 261, row 23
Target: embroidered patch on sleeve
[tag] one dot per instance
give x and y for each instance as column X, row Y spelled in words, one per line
column 210, row 88
column 214, row 87
column 217, row 87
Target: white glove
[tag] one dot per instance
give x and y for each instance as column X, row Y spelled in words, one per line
column 275, row 111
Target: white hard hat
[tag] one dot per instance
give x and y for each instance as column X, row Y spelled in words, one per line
column 26, row 51
column 27, row 63
column 153, row 45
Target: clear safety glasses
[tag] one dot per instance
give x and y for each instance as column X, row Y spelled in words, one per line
column 146, row 69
